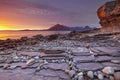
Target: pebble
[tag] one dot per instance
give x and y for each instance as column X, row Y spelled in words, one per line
column 30, row 62
column 72, row 73
column 108, row 70
column 90, row 74
column 67, row 71
column 80, row 76
column 100, row 77
column 111, row 78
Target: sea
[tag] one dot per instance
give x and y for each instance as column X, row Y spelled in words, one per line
column 18, row 34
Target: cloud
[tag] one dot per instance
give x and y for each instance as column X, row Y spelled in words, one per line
column 48, row 12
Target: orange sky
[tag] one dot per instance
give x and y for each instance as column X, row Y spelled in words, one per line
column 42, row 14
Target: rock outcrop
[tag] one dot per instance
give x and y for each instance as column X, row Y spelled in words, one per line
column 109, row 15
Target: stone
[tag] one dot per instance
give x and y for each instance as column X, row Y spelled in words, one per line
column 100, row 77
column 80, row 76
column 108, row 70
column 6, row 66
column 115, row 61
column 72, row 73
column 90, row 74
column 30, row 62
column 111, row 78
column 117, row 76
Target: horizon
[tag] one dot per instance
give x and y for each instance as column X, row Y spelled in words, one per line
column 39, row 15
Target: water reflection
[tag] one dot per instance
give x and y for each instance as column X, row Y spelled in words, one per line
column 17, row 34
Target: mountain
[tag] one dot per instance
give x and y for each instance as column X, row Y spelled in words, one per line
column 59, row 27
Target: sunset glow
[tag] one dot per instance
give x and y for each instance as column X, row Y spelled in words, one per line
column 5, row 28
column 42, row 14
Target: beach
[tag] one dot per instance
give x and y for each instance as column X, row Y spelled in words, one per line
column 72, row 56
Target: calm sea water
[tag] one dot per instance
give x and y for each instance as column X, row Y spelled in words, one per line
column 18, row 34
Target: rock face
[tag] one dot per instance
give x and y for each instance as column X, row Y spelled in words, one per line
column 109, row 15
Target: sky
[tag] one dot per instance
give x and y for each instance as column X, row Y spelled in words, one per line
column 42, row 14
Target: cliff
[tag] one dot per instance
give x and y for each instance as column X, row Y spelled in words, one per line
column 109, row 15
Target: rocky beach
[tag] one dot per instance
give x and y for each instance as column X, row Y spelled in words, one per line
column 87, row 55
column 73, row 56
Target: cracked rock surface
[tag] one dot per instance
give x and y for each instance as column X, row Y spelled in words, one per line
column 82, row 59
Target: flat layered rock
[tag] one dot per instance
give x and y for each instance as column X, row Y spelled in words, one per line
column 110, row 64
column 51, row 78
column 24, row 53
column 80, row 50
column 53, row 57
column 104, row 58
column 58, row 66
column 81, row 54
column 89, row 66
column 47, row 72
column 50, row 51
column 63, row 75
column 83, row 58
column 113, row 51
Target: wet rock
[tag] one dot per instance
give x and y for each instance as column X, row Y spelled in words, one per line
column 90, row 74
column 30, row 62
column 53, row 51
column 117, row 76
column 108, row 70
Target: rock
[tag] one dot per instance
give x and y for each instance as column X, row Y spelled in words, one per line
column 80, row 76
column 108, row 70
column 12, row 67
column 117, row 76
column 115, row 61
column 30, row 62
column 67, row 71
column 90, row 74
column 72, row 73
column 109, row 15
column 100, row 75
column 111, row 78
column 6, row 66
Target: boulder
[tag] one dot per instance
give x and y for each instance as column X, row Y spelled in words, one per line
column 109, row 15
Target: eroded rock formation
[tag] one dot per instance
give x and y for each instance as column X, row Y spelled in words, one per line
column 109, row 15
